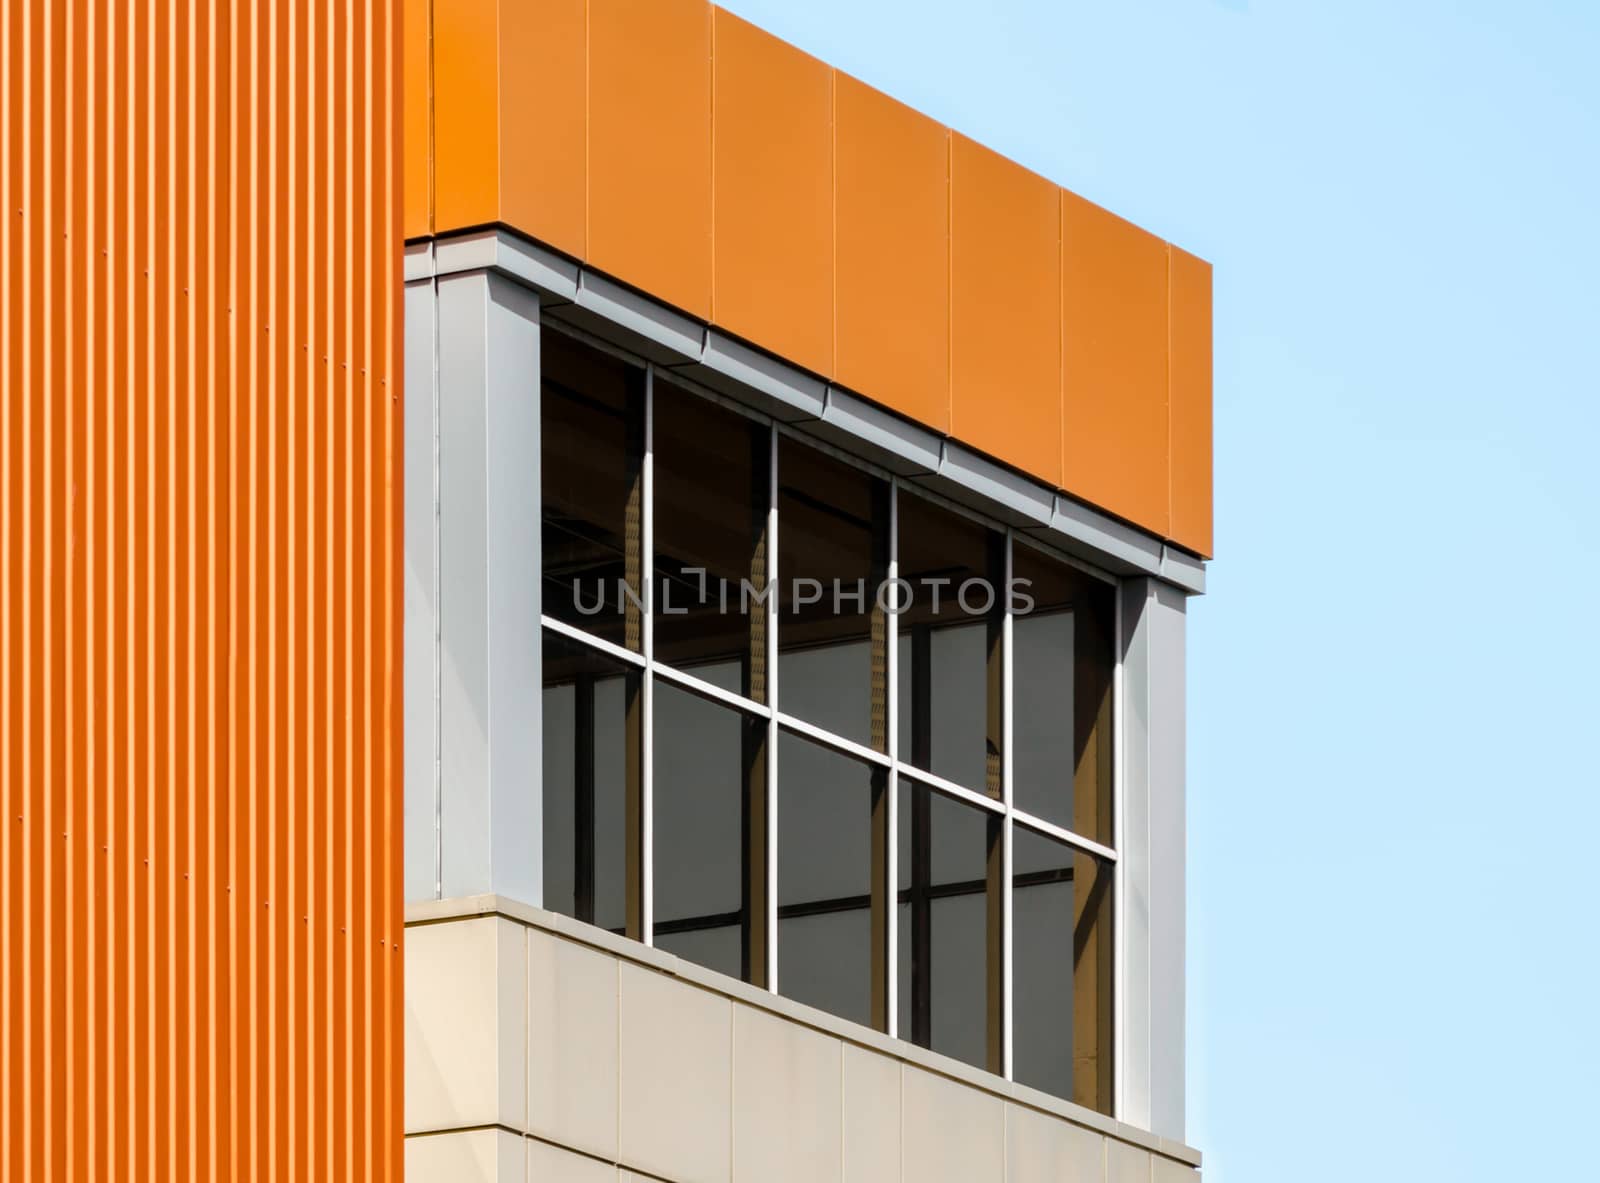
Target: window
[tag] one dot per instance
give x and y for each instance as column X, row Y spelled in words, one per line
column 825, row 861
column 947, row 848
column 592, row 474
column 1061, row 679
column 592, row 740
column 950, row 641
column 832, row 633
column 1061, row 985
column 842, row 741
column 712, row 487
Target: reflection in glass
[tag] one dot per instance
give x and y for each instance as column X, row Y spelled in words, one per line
column 944, row 916
column 833, row 527
column 712, row 491
column 591, row 469
column 1061, row 717
column 949, row 660
column 709, row 766
column 1061, row 957
column 592, row 722
column 824, row 878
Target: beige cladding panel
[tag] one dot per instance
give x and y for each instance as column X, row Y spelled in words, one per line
column 674, row 1099
column 607, row 1061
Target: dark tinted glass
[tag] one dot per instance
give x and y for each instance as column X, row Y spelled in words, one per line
column 943, row 968
column 707, row 756
column 712, row 489
column 591, row 457
column 591, row 722
column 824, row 878
column 833, row 526
column 1061, row 715
column 950, row 644
column 1061, row 958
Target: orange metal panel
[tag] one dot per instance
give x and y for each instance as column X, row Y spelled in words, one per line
column 1005, row 322
column 1190, row 401
column 909, row 263
column 773, row 171
column 542, row 129
column 1114, row 363
column 892, row 203
column 200, row 603
column 417, row 156
column 466, row 113
column 650, row 147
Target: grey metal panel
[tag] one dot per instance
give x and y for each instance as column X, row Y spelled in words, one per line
column 1133, row 866
column 466, row 252
column 638, row 323
column 421, row 769
column 1152, row 903
column 1183, row 569
column 418, row 261
column 1168, row 886
column 554, row 276
column 735, row 369
column 489, row 594
column 966, row 476
column 1096, row 538
column 854, row 425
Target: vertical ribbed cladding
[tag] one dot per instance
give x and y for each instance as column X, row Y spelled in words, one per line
column 199, row 516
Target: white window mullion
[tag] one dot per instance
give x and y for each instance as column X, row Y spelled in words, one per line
column 1119, row 874
column 892, row 862
column 647, row 876
column 772, row 718
column 1008, row 797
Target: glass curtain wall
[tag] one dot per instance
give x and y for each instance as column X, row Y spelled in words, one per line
column 819, row 730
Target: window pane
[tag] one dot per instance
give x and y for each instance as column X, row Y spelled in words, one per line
column 943, row 950
column 1061, row 717
column 591, row 457
column 712, row 488
column 950, row 644
column 833, row 529
column 1061, row 958
column 587, row 734
column 824, row 878
column 707, row 756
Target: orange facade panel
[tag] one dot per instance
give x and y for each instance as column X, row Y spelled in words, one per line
column 1114, row 363
column 542, row 159
column 1190, row 400
column 417, row 121
column 467, row 113
column 1005, row 310
column 200, row 604
column 693, row 156
column 892, row 253
column 650, row 146
column 772, row 136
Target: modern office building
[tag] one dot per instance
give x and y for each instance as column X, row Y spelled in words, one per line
column 879, row 875
column 587, row 597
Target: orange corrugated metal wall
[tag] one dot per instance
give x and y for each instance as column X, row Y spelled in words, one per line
column 200, row 677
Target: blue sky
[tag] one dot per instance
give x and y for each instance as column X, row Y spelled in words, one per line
column 1394, row 800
